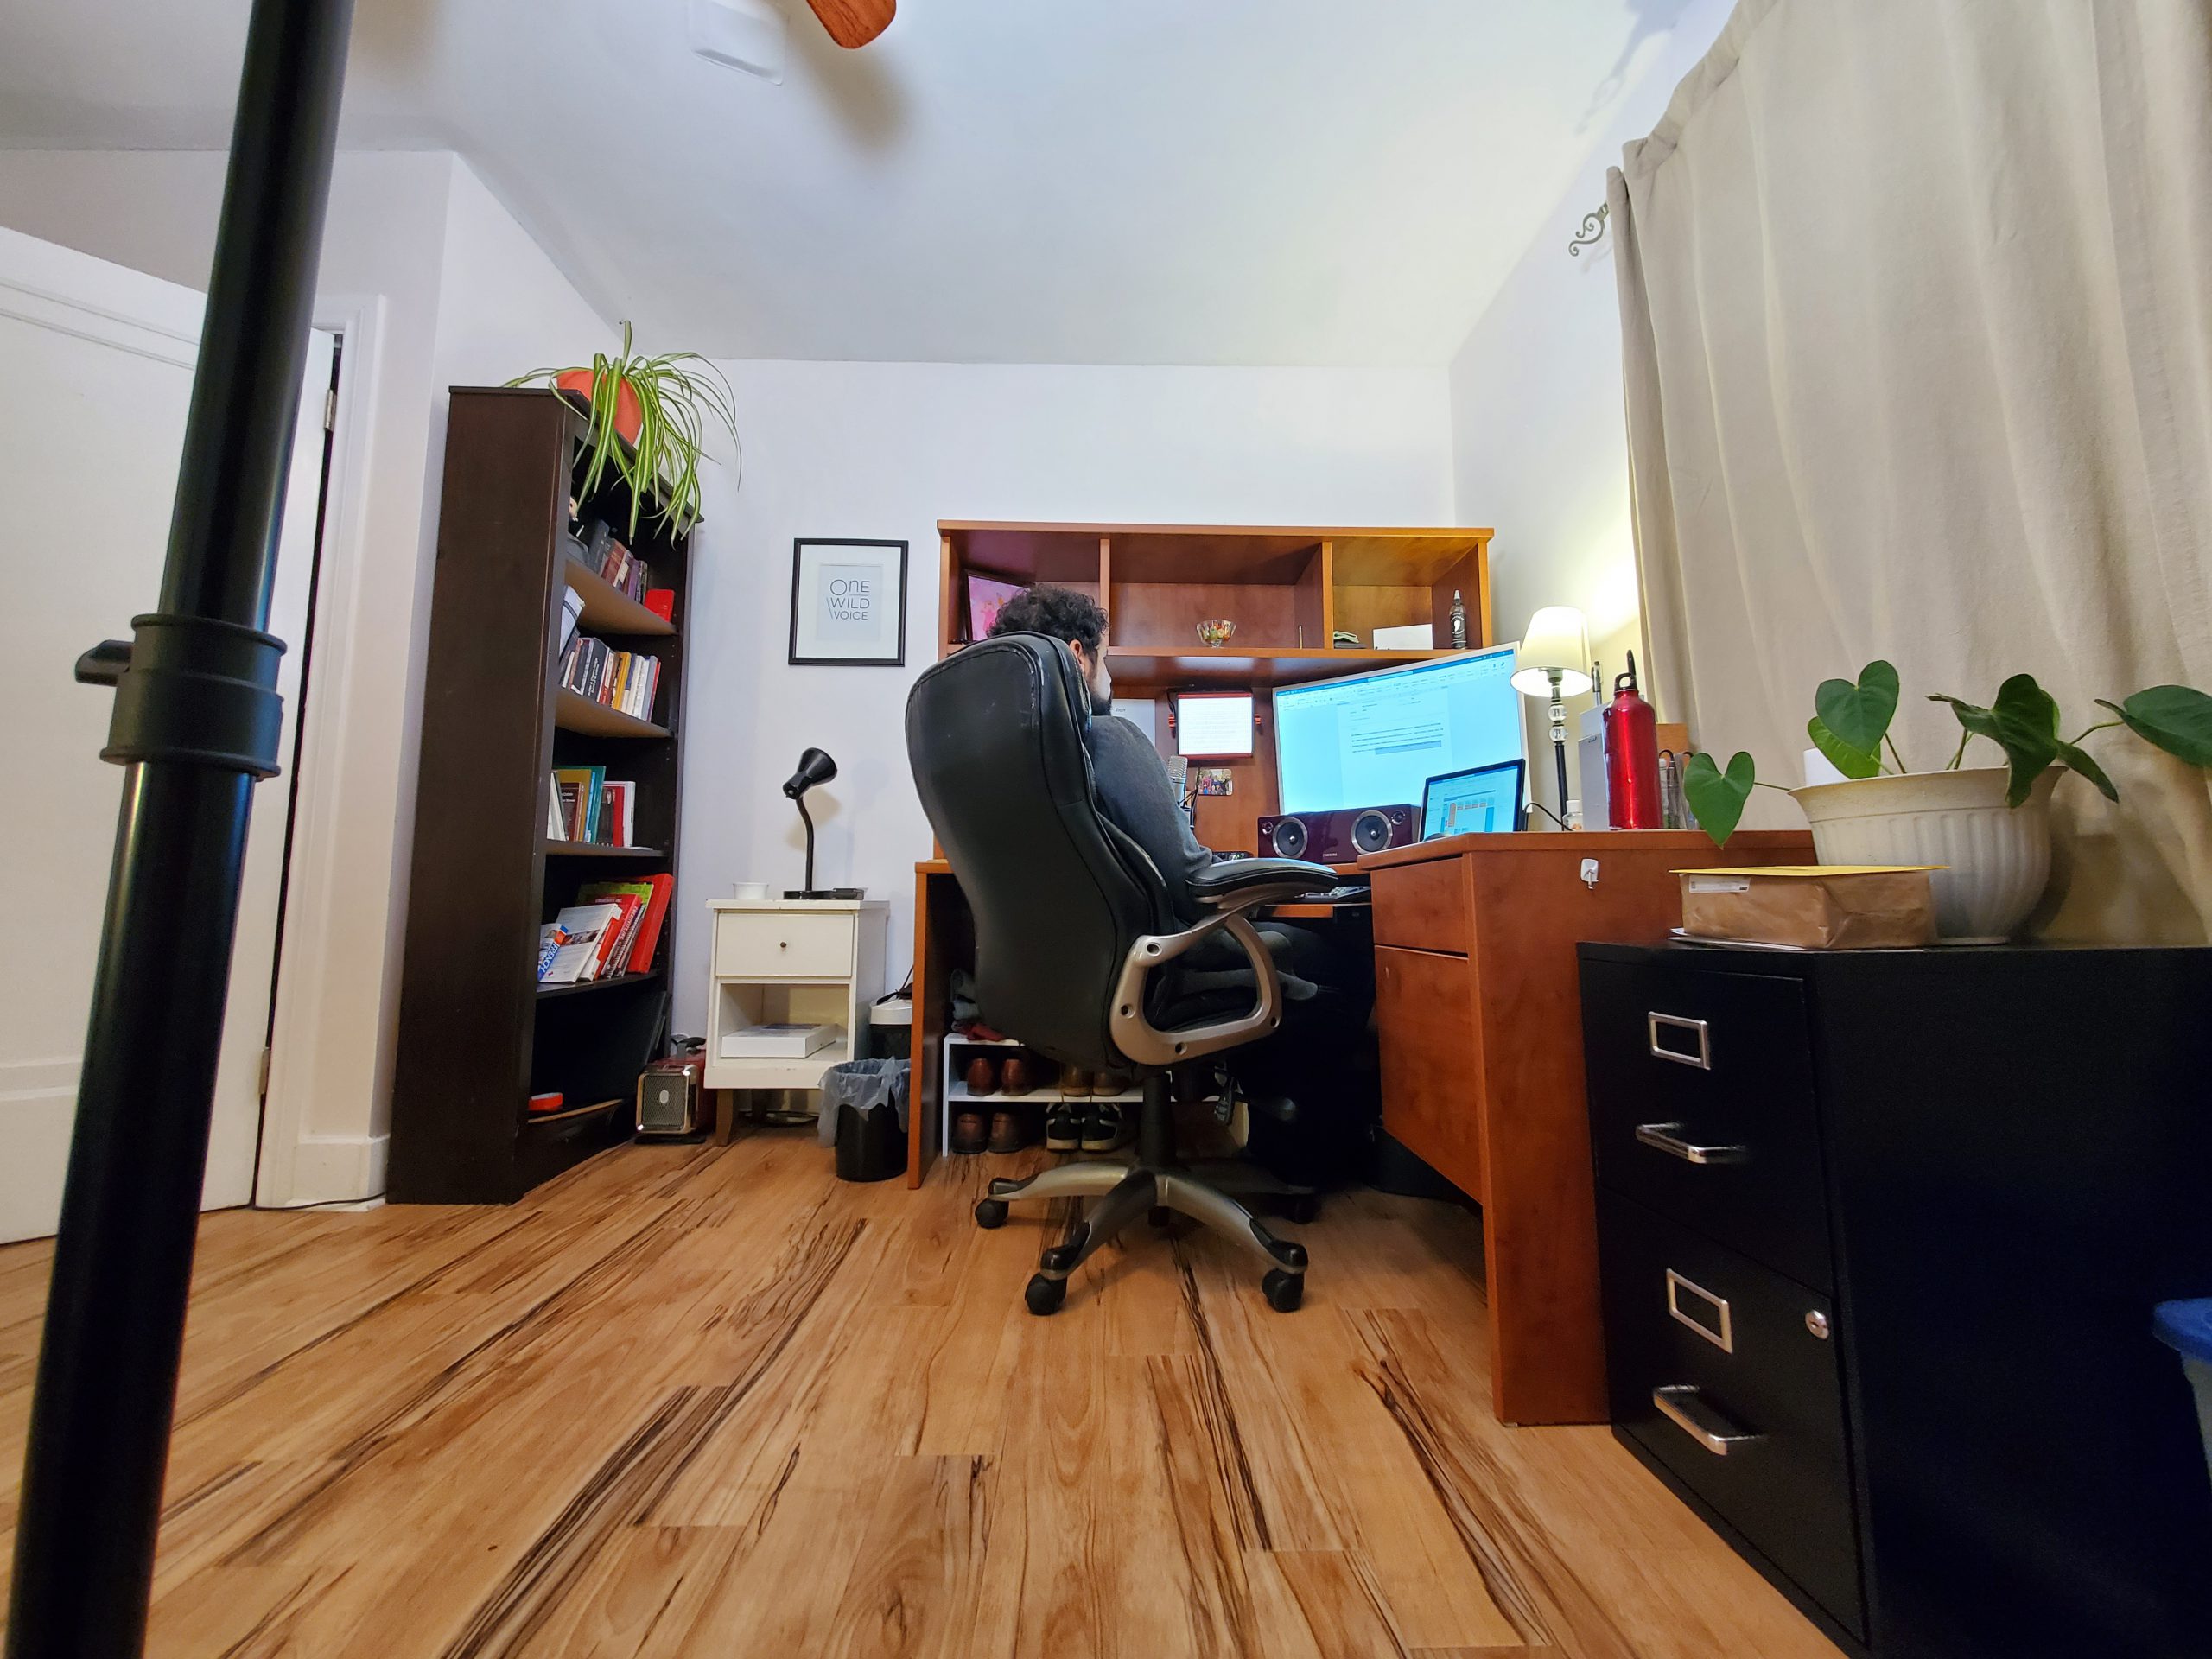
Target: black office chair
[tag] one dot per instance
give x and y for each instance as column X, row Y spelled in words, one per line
column 1077, row 944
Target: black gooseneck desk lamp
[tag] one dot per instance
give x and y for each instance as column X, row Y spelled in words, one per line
column 814, row 767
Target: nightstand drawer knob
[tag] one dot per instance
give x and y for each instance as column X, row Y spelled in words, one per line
column 1668, row 1138
column 1671, row 1036
column 1686, row 1408
column 1817, row 1323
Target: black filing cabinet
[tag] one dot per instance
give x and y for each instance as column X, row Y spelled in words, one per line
column 1880, row 1233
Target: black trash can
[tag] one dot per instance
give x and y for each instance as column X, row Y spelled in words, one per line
column 864, row 1116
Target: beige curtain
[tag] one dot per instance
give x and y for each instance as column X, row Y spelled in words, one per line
column 1916, row 299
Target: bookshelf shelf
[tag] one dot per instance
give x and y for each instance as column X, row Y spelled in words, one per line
column 608, row 609
column 612, row 983
column 591, row 849
column 574, row 712
column 478, row 1034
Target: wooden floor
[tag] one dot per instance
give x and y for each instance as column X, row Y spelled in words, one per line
column 700, row 1400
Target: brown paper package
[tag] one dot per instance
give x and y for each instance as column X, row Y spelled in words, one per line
column 1872, row 911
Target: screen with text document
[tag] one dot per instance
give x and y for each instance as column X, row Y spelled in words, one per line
column 1374, row 739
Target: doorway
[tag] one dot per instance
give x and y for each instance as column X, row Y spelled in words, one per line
column 103, row 360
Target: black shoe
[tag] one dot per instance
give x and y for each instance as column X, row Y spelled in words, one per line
column 1062, row 1128
column 1107, row 1127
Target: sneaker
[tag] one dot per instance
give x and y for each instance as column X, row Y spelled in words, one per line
column 1010, row 1131
column 1107, row 1127
column 968, row 1133
column 1063, row 1128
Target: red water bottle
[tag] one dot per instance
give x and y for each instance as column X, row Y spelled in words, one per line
column 1631, row 757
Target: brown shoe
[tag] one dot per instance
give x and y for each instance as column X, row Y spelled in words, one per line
column 1112, row 1083
column 983, row 1077
column 1010, row 1131
column 1017, row 1074
column 1075, row 1083
column 968, row 1132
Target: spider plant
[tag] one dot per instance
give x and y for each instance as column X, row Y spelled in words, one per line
column 649, row 418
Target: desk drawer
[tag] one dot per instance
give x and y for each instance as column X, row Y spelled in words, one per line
column 782, row 944
column 1718, row 1369
column 1432, row 1060
column 1702, row 1106
column 1423, row 906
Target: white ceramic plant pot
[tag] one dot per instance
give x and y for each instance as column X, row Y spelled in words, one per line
column 1997, row 858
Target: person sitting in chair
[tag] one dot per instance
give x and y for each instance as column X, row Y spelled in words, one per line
column 1136, row 795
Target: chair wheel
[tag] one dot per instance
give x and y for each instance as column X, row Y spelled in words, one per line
column 1284, row 1291
column 1045, row 1295
column 990, row 1212
column 1303, row 1208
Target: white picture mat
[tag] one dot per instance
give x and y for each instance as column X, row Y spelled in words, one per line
column 849, row 603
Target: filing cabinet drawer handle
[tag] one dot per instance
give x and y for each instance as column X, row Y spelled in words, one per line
column 1668, row 1138
column 1706, row 1314
column 1686, row 1408
column 1655, row 1023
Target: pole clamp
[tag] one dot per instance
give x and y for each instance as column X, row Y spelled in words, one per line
column 191, row 689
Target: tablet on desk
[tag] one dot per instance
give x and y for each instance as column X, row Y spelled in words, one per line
column 1479, row 799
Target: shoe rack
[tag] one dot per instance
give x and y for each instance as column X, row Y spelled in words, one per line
column 959, row 1049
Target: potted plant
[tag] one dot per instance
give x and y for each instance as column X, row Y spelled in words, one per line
column 1988, row 827
column 649, row 418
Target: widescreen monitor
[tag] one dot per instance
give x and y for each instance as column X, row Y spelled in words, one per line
column 1375, row 739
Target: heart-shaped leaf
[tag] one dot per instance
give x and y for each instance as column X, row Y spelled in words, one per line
column 2081, row 761
column 2022, row 721
column 2176, row 718
column 1858, row 716
column 1851, row 762
column 1718, row 796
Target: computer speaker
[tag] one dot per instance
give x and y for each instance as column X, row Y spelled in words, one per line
column 1337, row 837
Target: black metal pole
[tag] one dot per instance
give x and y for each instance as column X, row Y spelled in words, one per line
column 196, row 723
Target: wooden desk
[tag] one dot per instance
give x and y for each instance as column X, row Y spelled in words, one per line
column 1480, row 1023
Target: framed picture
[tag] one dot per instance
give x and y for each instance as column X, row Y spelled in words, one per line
column 848, row 602
column 986, row 597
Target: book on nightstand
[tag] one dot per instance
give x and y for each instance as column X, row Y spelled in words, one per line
column 789, row 1042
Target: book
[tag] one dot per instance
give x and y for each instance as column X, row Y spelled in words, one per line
column 661, row 602
column 641, row 950
column 550, row 937
column 586, row 926
column 635, row 898
column 555, row 830
column 585, row 784
column 572, row 610
column 778, row 1042
column 617, row 814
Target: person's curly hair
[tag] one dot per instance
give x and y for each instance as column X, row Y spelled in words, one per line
column 1060, row 611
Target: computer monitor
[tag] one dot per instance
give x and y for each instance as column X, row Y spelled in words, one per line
column 1479, row 799
column 1375, row 739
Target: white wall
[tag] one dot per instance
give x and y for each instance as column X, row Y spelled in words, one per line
column 885, row 450
column 1539, row 439
column 463, row 295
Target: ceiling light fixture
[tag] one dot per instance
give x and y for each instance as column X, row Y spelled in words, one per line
column 747, row 34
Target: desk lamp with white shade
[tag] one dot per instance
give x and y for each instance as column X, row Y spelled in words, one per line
column 1554, row 662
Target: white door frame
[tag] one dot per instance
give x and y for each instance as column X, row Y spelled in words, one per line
column 296, row 1167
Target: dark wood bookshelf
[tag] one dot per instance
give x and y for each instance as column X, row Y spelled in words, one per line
column 478, row 1034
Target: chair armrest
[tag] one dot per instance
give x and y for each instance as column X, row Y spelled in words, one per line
column 1233, row 881
column 1135, row 1035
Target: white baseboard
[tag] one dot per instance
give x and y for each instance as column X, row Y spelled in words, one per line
column 336, row 1169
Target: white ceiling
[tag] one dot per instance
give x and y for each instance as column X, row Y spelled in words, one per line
column 1186, row 181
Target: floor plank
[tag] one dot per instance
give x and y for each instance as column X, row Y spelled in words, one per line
column 696, row 1402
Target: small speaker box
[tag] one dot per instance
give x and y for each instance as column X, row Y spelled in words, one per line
column 1337, row 837
column 670, row 1098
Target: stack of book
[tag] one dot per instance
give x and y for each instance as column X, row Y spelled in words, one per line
column 584, row 805
column 622, row 570
column 623, row 680
column 613, row 928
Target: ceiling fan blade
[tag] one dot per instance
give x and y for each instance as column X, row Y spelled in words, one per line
column 855, row 23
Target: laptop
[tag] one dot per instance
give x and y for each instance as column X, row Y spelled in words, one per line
column 1480, row 798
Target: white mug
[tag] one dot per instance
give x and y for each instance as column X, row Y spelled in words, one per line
column 750, row 890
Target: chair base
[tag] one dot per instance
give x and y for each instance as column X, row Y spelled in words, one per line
column 1131, row 1187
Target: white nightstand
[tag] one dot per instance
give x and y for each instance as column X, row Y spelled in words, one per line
column 778, row 961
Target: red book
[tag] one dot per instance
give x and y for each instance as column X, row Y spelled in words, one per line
column 612, row 937
column 641, row 952
column 661, row 602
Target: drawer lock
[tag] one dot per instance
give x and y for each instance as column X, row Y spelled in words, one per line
column 1686, row 1408
column 1668, row 1138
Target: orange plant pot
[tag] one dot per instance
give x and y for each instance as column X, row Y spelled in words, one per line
column 629, row 414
